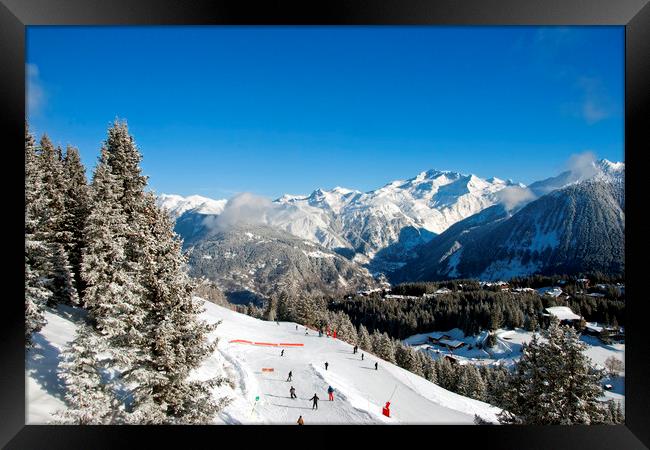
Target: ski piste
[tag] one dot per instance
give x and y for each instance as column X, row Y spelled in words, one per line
column 361, row 392
column 261, row 395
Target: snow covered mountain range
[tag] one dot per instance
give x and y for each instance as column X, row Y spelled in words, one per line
column 361, row 223
column 579, row 228
column 395, row 228
column 177, row 205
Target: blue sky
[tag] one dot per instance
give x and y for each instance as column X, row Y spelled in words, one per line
column 272, row 110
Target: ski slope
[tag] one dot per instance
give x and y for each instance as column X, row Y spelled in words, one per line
column 360, row 390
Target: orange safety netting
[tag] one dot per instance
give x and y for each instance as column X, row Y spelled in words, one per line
column 266, row 344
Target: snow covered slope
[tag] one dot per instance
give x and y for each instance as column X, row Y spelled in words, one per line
column 360, row 391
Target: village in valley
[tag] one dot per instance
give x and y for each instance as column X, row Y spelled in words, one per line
column 502, row 347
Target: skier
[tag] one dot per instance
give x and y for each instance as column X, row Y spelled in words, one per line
column 292, row 392
column 330, row 391
column 354, row 350
column 289, row 378
column 282, row 352
column 315, row 400
column 386, row 410
column 375, row 366
column 300, row 421
column 306, row 333
column 297, row 330
column 326, row 364
column 362, row 357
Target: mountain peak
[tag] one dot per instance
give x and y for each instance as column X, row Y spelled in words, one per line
column 177, row 205
column 432, row 174
column 608, row 166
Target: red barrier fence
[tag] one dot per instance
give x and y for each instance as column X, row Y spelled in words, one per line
column 266, row 344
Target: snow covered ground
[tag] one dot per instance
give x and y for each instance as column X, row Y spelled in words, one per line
column 360, row 390
column 508, row 350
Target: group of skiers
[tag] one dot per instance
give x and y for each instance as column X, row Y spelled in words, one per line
column 330, row 389
column 330, row 392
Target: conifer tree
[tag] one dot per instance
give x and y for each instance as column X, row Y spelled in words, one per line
column 113, row 295
column 90, row 401
column 386, row 350
column 142, row 301
column 174, row 339
column 401, row 356
column 375, row 338
column 37, row 285
column 470, row 383
column 364, row 338
column 446, row 374
column 52, row 226
column 428, row 367
column 344, row 328
column 271, row 309
column 553, row 383
column 415, row 362
column 77, row 209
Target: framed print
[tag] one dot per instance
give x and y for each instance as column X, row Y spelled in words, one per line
column 408, row 214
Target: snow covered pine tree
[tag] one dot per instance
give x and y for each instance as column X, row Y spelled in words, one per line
column 139, row 297
column 37, row 284
column 554, row 383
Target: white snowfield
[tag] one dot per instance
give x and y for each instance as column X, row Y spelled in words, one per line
column 360, row 391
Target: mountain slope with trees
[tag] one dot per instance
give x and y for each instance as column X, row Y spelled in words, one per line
column 576, row 229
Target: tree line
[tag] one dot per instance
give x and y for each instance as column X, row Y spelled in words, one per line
column 107, row 248
column 553, row 383
column 472, row 309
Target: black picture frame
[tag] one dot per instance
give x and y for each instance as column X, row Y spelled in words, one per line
column 15, row 15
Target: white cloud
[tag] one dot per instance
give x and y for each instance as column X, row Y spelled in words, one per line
column 596, row 104
column 583, row 165
column 245, row 208
column 34, row 92
column 513, row 196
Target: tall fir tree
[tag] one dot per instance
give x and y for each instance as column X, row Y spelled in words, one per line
column 52, row 226
column 113, row 295
column 77, row 209
column 174, row 339
column 37, row 283
column 415, row 363
column 428, row 367
column 446, row 374
column 386, row 349
column 553, row 383
column 401, row 356
column 470, row 383
column 139, row 295
column 364, row 338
